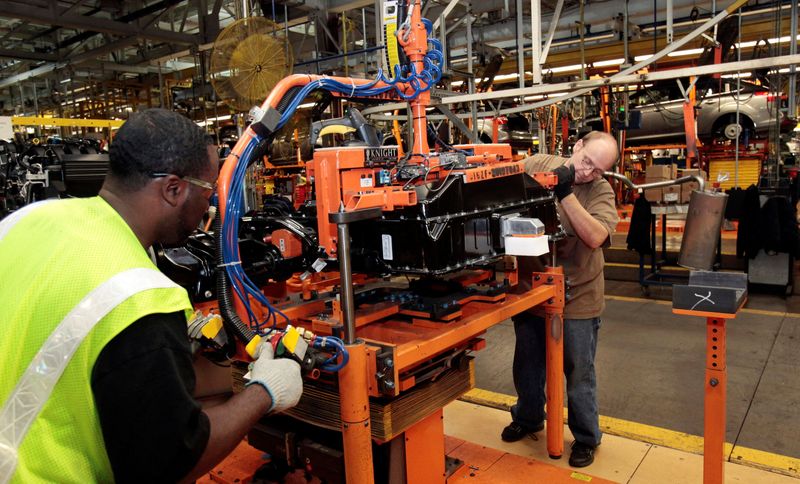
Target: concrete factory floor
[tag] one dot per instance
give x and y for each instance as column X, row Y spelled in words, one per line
column 650, row 367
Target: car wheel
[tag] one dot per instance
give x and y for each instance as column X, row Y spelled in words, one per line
column 726, row 128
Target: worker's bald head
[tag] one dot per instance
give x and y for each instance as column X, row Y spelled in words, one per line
column 592, row 155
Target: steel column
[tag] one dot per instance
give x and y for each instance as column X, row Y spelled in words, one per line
column 473, row 106
column 792, row 73
column 670, row 15
column 551, row 31
column 536, row 42
column 520, row 44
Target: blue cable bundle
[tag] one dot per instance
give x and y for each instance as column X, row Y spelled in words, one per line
column 242, row 285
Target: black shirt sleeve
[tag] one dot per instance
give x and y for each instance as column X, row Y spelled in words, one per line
column 143, row 380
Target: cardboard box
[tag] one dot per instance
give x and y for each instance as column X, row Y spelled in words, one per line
column 653, row 195
column 688, row 188
column 671, row 194
column 686, row 191
column 661, row 172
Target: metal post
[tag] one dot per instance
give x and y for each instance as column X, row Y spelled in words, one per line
column 536, row 41
column 443, row 40
column 583, row 45
column 473, row 106
column 286, row 33
column 551, row 31
column 345, row 19
column 364, row 40
column 22, row 99
column 738, row 122
column 625, row 31
column 35, row 100
column 316, row 40
column 669, row 20
column 379, row 26
column 520, row 43
column 160, row 87
column 655, row 31
column 346, row 275
column 792, row 73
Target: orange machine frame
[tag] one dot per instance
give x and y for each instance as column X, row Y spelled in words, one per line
column 338, row 175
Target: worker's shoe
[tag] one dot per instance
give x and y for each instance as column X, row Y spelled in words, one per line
column 514, row 431
column 582, row 454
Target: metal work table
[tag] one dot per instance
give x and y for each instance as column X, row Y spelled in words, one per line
column 656, row 276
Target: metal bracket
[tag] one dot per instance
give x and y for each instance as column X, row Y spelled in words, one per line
column 458, row 123
column 354, row 216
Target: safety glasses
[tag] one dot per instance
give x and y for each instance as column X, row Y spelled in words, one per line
column 210, row 187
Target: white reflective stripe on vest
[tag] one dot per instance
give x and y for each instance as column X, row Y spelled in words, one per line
column 9, row 222
column 37, row 382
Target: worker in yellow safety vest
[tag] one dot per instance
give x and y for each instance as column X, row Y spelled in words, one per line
column 97, row 378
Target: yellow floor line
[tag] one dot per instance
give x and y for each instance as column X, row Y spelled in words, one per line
column 658, row 436
column 763, row 312
column 638, row 299
column 647, row 267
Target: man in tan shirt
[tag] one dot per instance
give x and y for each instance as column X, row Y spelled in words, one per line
column 589, row 217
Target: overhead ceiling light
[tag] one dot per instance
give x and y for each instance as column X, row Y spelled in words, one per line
column 734, row 76
column 555, row 70
column 785, row 38
column 680, row 53
column 610, row 62
column 746, row 45
column 64, row 81
column 505, row 77
column 640, row 58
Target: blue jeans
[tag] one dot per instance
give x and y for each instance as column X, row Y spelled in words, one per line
column 580, row 344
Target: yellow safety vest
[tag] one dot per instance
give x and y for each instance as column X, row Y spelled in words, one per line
column 72, row 276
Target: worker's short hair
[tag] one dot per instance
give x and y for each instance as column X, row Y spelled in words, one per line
column 156, row 141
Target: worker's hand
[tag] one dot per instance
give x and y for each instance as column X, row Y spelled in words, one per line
column 279, row 377
column 566, row 178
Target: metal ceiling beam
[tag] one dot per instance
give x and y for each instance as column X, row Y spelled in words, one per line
column 43, row 15
column 445, row 13
column 116, row 67
column 552, row 31
column 588, row 85
column 45, row 69
column 164, row 6
column 75, row 60
column 637, row 67
column 27, row 55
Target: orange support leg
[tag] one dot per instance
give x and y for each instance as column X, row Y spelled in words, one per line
column 425, row 450
column 355, row 417
column 554, row 329
column 555, row 384
column 714, row 421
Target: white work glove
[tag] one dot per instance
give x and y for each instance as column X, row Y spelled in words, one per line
column 279, row 377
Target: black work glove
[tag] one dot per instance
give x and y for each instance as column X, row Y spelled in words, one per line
column 566, row 177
